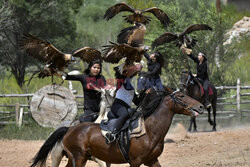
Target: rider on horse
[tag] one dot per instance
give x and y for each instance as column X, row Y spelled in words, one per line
column 121, row 107
column 90, row 80
column 202, row 74
column 151, row 78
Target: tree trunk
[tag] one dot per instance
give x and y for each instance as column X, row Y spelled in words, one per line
column 218, row 6
column 19, row 73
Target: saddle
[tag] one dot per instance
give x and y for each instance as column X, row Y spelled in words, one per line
column 133, row 127
column 210, row 89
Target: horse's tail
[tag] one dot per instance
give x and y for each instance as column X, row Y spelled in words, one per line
column 44, row 151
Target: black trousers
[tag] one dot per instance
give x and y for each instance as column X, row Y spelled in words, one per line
column 119, row 112
column 91, row 111
column 205, row 86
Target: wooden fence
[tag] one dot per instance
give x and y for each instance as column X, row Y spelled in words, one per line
column 235, row 100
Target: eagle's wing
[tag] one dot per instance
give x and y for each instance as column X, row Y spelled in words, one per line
column 117, row 8
column 196, row 27
column 164, row 38
column 159, row 14
column 113, row 53
column 134, row 35
column 88, row 54
column 40, row 49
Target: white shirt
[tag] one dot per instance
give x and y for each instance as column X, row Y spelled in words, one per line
column 125, row 95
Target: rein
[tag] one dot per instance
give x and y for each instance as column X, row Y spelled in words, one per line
column 177, row 100
column 188, row 82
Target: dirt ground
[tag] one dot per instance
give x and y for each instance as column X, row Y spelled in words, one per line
column 228, row 148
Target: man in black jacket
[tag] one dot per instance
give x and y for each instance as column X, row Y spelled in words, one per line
column 202, row 74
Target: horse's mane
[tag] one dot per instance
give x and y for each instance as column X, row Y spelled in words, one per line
column 151, row 102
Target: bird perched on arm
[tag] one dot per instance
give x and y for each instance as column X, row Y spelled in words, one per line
column 182, row 38
column 137, row 14
column 54, row 59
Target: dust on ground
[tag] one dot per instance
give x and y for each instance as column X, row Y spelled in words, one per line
column 228, row 148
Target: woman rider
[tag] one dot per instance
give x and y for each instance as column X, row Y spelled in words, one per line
column 151, row 78
column 202, row 74
column 125, row 95
column 90, row 80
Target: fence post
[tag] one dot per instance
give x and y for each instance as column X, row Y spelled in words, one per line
column 238, row 96
column 17, row 113
column 20, row 120
column 70, row 86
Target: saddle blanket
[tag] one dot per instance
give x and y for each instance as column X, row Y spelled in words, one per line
column 210, row 90
column 137, row 131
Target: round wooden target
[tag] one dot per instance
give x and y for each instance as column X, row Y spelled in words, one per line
column 52, row 105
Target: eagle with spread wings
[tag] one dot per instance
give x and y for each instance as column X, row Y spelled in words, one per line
column 137, row 14
column 133, row 36
column 114, row 52
column 54, row 59
column 181, row 38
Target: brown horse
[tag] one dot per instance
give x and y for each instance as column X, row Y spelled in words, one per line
column 192, row 89
column 85, row 140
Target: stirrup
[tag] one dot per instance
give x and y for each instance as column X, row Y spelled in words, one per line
column 110, row 137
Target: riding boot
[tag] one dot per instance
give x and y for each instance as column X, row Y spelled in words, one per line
column 116, row 125
column 207, row 103
column 205, row 86
column 131, row 112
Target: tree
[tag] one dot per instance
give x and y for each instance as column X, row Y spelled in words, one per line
column 184, row 13
column 53, row 20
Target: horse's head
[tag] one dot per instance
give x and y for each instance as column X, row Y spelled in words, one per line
column 186, row 78
column 183, row 104
column 108, row 93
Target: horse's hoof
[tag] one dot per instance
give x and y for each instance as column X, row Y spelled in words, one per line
column 211, row 123
column 189, row 130
column 195, row 130
column 214, row 129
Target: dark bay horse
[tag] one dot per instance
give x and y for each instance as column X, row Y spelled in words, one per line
column 85, row 140
column 190, row 87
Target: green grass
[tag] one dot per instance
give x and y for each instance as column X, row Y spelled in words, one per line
column 29, row 131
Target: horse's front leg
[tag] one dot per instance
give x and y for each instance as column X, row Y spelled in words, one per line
column 195, row 126
column 214, row 113
column 190, row 125
column 209, row 116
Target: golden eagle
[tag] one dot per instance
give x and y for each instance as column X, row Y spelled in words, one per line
column 113, row 53
column 181, row 38
column 55, row 60
column 134, row 35
column 137, row 15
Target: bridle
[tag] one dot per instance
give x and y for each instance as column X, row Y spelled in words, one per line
column 187, row 83
column 179, row 101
